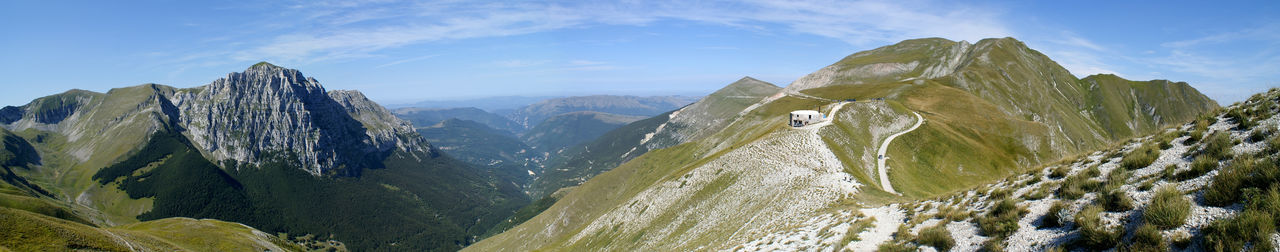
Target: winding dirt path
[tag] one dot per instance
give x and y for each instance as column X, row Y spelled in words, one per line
column 884, row 147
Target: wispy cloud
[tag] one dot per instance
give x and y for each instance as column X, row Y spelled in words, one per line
column 517, row 63
column 407, row 60
column 1077, row 54
column 344, row 30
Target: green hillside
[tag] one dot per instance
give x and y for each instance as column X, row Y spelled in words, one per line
column 990, row 109
column 579, row 163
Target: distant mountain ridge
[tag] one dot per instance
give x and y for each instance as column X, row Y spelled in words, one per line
column 426, row 117
column 534, row 114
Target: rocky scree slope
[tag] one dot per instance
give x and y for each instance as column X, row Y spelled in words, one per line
column 1202, row 186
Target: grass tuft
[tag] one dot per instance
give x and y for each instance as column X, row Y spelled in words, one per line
column 1168, row 209
column 1076, row 186
column 1232, row 234
column 1059, row 172
column 1140, row 158
column 1002, row 219
column 1053, row 218
column 1148, row 238
column 1094, row 234
column 858, row 226
column 1243, row 173
column 1115, row 201
column 1199, row 166
column 995, row 244
column 937, row 237
column 895, row 246
column 1218, row 146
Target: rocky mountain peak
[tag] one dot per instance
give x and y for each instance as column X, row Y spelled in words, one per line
column 266, row 110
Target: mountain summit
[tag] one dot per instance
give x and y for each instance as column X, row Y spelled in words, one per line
column 268, row 108
column 267, row 147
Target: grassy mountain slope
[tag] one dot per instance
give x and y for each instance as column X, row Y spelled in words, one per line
column 732, row 188
column 997, row 104
column 40, row 223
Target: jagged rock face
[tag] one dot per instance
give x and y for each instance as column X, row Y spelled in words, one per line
column 267, row 109
column 386, row 131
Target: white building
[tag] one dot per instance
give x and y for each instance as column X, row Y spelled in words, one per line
column 800, row 118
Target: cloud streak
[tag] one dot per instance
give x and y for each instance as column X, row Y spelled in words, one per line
column 345, row 30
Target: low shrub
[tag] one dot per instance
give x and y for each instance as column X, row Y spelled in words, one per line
column 1094, row 234
column 1232, row 234
column 1148, row 238
column 1168, row 208
column 937, row 237
column 1002, row 219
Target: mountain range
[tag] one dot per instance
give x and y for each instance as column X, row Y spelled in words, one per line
column 922, row 134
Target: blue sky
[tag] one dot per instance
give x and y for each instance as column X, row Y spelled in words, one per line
column 397, row 52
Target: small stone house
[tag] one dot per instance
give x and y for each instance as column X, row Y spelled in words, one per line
column 800, row 118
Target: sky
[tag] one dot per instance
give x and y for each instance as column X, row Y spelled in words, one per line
column 407, row 51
